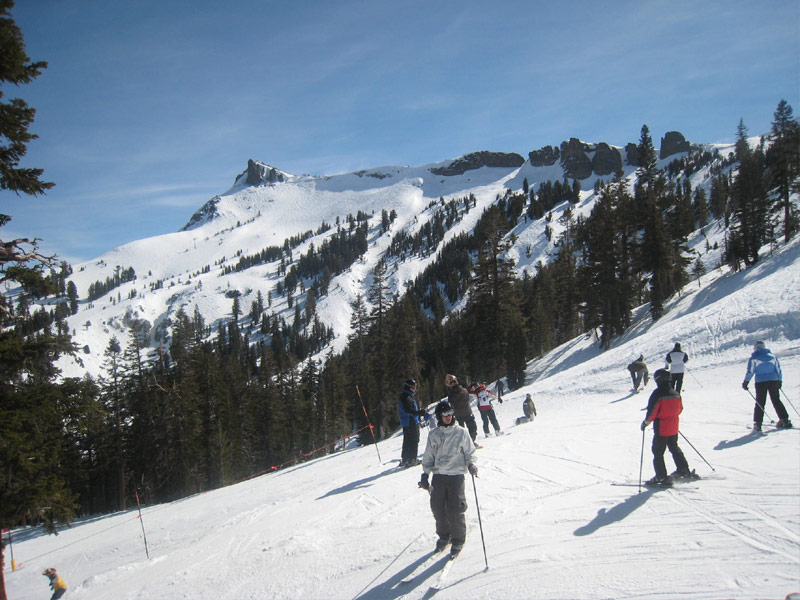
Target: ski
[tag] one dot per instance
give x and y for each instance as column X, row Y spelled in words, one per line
column 441, row 582
column 765, row 429
column 424, row 566
column 655, row 488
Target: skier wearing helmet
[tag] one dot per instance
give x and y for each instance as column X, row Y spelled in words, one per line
column 663, row 409
column 448, row 455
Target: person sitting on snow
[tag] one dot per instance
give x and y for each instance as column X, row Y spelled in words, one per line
column 529, row 408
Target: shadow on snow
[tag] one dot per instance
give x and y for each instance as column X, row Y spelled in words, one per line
column 617, row 513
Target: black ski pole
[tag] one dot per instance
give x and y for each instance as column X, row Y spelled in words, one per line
column 785, row 397
column 696, row 450
column 763, row 408
column 693, row 377
column 480, row 524
column 641, row 462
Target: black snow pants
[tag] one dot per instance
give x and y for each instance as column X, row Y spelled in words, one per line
column 410, row 442
column 486, row 416
column 470, row 424
column 762, row 387
column 660, row 444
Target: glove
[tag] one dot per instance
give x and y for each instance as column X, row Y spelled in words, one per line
column 473, row 470
column 423, row 482
column 427, row 417
column 745, row 384
column 644, row 425
column 780, row 384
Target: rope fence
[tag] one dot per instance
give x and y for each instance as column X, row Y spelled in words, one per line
column 303, row 456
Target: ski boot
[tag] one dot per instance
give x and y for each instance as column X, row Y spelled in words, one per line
column 441, row 544
column 784, row 424
column 685, row 475
column 664, row 482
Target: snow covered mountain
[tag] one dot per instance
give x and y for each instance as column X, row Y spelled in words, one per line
column 350, row 525
column 205, row 264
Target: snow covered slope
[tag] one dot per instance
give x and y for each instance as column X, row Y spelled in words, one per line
column 185, row 269
column 350, row 526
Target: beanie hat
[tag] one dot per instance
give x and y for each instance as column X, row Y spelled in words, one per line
column 677, row 347
column 662, row 376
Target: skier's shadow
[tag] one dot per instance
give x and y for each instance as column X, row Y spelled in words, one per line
column 630, row 395
column 740, row 441
column 617, row 513
column 358, row 483
column 394, row 587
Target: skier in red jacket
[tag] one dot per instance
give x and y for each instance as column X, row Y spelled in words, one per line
column 663, row 409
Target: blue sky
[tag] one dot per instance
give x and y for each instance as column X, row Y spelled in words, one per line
column 150, row 108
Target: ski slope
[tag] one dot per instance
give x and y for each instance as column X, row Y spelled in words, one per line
column 351, row 525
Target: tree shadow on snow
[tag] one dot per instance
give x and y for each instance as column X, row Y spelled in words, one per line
column 358, row 483
column 617, row 513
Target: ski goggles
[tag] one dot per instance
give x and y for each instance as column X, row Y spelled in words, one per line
column 448, row 413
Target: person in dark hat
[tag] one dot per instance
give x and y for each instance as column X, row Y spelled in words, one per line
column 410, row 414
column 676, row 363
column 663, row 410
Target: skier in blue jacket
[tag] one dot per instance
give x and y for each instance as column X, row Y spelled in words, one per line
column 767, row 370
column 409, row 419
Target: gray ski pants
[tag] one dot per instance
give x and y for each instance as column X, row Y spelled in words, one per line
column 449, row 503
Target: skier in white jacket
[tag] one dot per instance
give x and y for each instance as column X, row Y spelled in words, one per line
column 675, row 363
column 449, row 454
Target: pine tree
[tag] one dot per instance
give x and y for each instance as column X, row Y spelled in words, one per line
column 379, row 347
column 750, row 203
column 783, row 165
column 16, row 116
column 33, row 487
column 113, row 393
column 607, row 284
